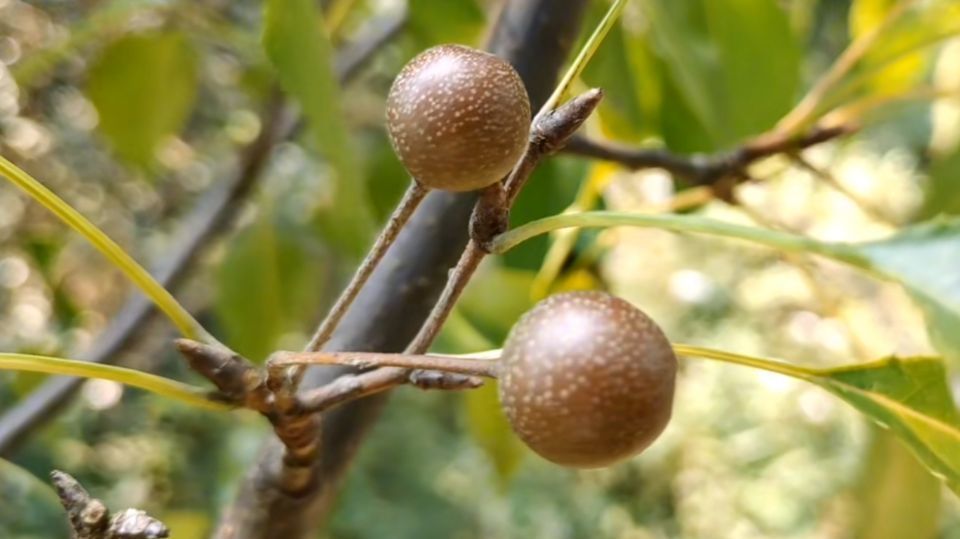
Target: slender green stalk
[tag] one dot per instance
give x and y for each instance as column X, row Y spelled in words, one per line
column 779, row 367
column 165, row 301
column 188, row 394
column 584, row 56
column 679, row 223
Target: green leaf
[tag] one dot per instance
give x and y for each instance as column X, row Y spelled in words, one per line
column 923, row 258
column 899, row 61
column 450, row 21
column 267, row 285
column 760, row 59
column 143, row 87
column 300, row 51
column 159, row 385
column 716, row 51
column 909, row 396
column 898, row 76
column 626, row 68
column 30, row 507
column 912, row 399
column 942, row 193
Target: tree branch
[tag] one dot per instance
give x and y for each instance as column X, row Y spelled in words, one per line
column 536, row 37
column 706, row 169
column 212, row 215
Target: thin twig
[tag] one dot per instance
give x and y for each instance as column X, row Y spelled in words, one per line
column 408, row 204
column 90, row 518
column 707, row 169
column 367, row 360
column 204, row 224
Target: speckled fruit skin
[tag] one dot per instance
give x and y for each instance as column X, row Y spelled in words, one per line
column 587, row 379
column 458, row 118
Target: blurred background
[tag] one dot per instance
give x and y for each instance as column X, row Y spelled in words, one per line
column 135, row 110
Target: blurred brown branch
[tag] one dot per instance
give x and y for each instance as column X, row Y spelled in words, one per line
column 205, row 223
column 711, row 169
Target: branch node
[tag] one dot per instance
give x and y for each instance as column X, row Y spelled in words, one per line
column 239, row 381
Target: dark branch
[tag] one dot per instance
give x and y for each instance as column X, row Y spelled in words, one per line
column 705, row 169
column 212, row 215
column 536, row 37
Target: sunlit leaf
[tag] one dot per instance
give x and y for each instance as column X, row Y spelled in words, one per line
column 912, row 399
column 942, row 193
column 908, row 396
column 143, row 87
column 300, row 51
column 923, row 258
column 865, row 16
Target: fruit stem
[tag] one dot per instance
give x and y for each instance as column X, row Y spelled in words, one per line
column 408, row 204
column 549, row 133
column 364, row 360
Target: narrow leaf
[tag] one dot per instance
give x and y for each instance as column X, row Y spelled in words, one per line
column 299, row 49
column 165, row 387
column 139, row 276
column 923, row 258
column 908, row 396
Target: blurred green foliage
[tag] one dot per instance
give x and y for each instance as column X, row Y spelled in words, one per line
column 177, row 88
column 143, row 86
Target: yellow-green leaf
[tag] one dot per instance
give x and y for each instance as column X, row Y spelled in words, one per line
column 865, row 16
column 908, row 396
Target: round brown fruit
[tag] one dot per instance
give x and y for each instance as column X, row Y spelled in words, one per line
column 458, row 118
column 587, row 379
